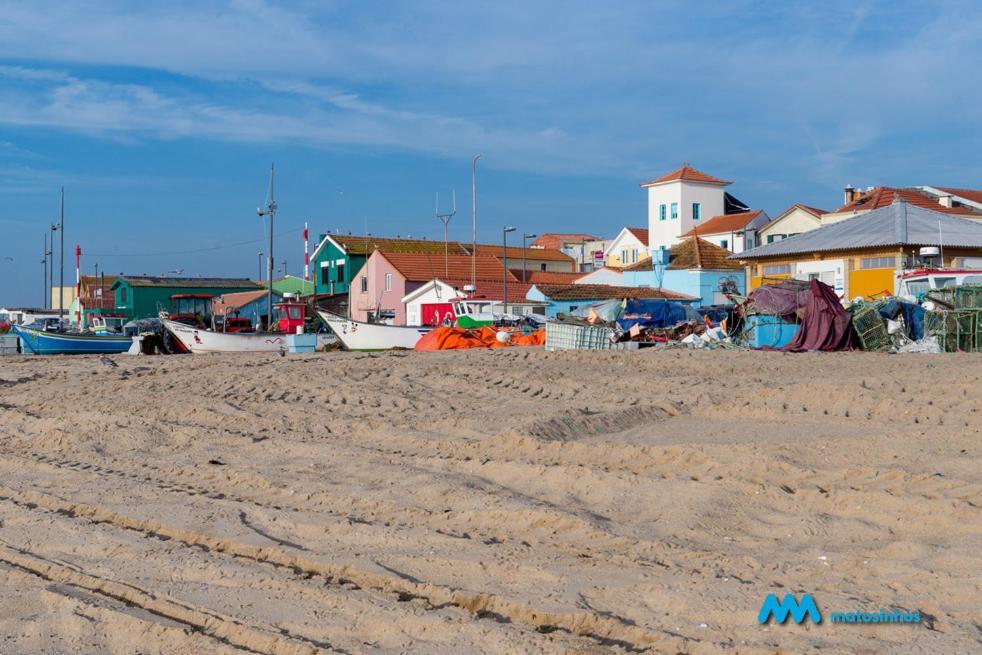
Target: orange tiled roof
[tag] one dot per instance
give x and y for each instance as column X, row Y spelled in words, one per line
column 421, row 267
column 493, row 289
column 556, row 240
column 515, row 252
column 814, row 211
column 724, row 223
column 604, row 291
column 686, row 172
column 882, row 196
column 640, row 233
column 230, row 302
column 975, row 195
column 546, row 277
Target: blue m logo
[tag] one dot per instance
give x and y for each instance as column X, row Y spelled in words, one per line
column 791, row 606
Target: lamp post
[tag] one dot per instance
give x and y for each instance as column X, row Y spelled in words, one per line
column 504, row 244
column 261, row 253
column 525, row 240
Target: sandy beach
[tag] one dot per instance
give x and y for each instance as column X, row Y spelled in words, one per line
column 514, row 501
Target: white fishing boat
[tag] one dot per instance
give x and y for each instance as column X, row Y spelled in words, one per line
column 356, row 335
column 198, row 340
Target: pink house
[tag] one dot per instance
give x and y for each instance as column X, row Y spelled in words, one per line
column 387, row 277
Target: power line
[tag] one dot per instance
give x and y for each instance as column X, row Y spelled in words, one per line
column 196, row 250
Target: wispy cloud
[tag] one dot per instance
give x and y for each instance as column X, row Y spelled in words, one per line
column 570, row 87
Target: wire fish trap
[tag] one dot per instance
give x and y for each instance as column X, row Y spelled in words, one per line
column 870, row 328
column 958, row 330
column 968, row 297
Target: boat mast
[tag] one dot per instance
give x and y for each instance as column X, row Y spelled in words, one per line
column 269, row 210
column 474, row 220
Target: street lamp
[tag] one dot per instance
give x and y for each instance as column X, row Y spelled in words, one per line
column 504, row 243
column 525, row 239
column 261, row 253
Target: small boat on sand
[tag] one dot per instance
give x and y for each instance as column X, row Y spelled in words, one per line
column 198, row 340
column 47, row 342
column 356, row 335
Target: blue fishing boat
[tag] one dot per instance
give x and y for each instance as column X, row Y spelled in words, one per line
column 42, row 342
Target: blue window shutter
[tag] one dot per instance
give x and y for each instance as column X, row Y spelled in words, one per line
column 675, row 210
column 661, row 212
column 696, row 211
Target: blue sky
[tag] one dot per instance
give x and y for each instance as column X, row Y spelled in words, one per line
column 161, row 119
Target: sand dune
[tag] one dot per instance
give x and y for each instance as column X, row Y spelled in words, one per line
column 510, row 501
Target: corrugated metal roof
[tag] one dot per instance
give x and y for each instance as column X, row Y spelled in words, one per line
column 897, row 224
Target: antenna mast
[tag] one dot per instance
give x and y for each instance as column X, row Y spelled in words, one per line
column 474, row 220
column 445, row 218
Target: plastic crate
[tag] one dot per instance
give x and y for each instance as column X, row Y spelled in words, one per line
column 768, row 331
column 9, row 344
column 572, row 336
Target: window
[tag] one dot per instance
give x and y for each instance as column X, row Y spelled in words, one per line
column 634, row 256
column 661, row 212
column 364, row 284
column 624, row 256
column 696, row 211
column 388, row 281
column 770, row 238
column 542, row 267
column 778, row 269
column 122, row 294
column 325, row 275
column 877, row 262
column 675, row 210
column 724, row 244
column 340, row 272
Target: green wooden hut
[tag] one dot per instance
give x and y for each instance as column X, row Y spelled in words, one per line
column 142, row 296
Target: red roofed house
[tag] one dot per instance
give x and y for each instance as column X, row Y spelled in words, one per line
column 559, row 240
column 683, row 199
column 398, row 287
column 733, row 232
column 966, row 203
column 630, row 246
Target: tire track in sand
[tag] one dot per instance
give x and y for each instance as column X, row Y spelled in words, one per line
column 604, row 630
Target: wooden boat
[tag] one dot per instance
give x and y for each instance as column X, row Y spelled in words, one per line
column 356, row 335
column 198, row 340
column 44, row 342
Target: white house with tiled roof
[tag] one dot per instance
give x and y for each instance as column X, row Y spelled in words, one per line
column 794, row 220
column 678, row 201
column 629, row 247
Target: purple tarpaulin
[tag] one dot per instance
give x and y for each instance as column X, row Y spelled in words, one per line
column 825, row 325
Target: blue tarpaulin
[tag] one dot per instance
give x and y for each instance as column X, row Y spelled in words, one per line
column 652, row 313
column 913, row 316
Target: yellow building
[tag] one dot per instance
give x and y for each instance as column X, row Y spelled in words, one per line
column 862, row 256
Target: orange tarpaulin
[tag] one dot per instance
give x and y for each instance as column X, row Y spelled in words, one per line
column 448, row 338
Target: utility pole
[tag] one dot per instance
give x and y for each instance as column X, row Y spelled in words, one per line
column 269, row 210
column 445, row 218
column 474, row 220
column 61, row 280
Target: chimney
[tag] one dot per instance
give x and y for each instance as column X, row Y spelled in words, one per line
column 848, row 194
column 946, row 201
